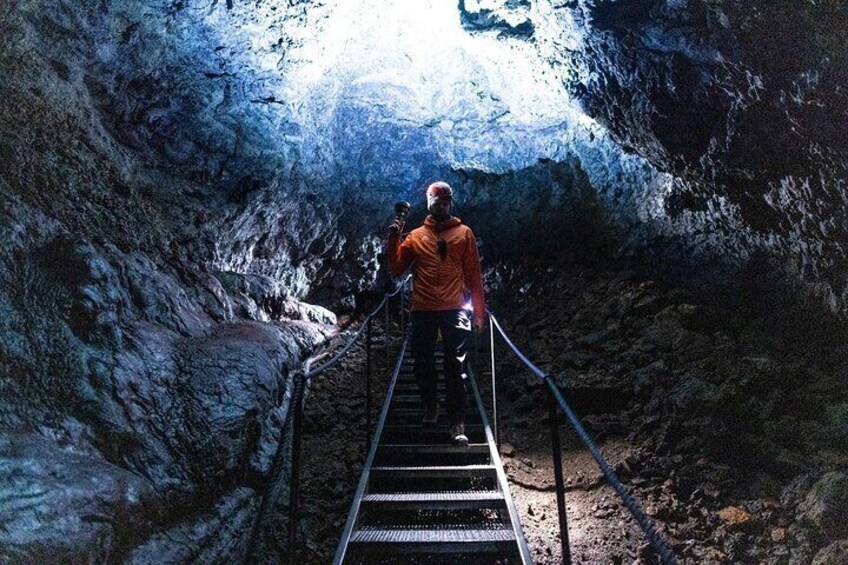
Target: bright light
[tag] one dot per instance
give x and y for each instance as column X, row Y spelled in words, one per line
column 487, row 101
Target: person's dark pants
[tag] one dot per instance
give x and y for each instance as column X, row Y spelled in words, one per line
column 455, row 326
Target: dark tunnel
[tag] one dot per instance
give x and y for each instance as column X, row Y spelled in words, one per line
column 195, row 202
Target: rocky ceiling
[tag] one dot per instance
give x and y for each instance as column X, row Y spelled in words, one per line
column 178, row 176
column 704, row 130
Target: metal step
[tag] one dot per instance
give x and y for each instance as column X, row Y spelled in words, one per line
column 434, row 478
column 407, row 367
column 432, row 454
column 412, row 387
column 417, row 429
column 432, row 449
column 417, row 434
column 412, row 400
column 435, row 471
column 425, row 540
column 422, row 499
column 454, row 500
column 414, row 417
column 439, row 358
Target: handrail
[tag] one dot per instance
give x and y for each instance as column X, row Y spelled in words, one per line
column 338, row 356
column 353, row 515
column 303, row 377
column 630, row 503
column 503, row 484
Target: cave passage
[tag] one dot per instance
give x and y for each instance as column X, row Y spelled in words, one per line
column 194, row 202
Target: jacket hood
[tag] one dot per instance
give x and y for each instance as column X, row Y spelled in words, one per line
column 438, row 226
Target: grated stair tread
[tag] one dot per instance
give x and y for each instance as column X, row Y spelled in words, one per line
column 435, row 447
column 434, row 468
column 446, row 534
column 469, row 495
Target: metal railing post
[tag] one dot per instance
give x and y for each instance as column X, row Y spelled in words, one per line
column 494, row 386
column 368, row 385
column 556, row 451
column 387, row 333
column 402, row 323
column 294, row 489
column 474, row 361
column 292, row 424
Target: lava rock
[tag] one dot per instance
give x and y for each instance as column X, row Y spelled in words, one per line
column 219, row 535
column 64, row 506
column 826, row 505
column 834, row 554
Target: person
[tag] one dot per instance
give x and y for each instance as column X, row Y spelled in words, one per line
column 445, row 270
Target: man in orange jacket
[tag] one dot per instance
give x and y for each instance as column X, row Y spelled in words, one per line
column 446, row 269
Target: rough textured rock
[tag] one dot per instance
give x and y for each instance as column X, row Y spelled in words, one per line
column 834, row 554
column 152, row 285
column 741, row 102
column 733, row 153
column 179, row 177
column 62, row 503
column 825, row 505
column 158, row 372
column 726, row 406
column 218, row 535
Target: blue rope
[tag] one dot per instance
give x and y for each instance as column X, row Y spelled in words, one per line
column 630, row 503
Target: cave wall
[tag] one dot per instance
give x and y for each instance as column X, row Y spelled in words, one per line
column 734, row 111
column 709, row 130
column 742, row 103
column 152, row 275
column 178, row 177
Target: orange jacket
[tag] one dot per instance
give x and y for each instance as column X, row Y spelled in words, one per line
column 440, row 284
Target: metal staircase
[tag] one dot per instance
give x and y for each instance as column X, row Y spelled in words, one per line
column 423, row 500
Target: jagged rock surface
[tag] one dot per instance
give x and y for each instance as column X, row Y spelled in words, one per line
column 733, row 413
column 178, row 178
column 150, row 320
column 743, row 103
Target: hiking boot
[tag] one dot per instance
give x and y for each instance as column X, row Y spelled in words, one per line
column 458, row 435
column 431, row 414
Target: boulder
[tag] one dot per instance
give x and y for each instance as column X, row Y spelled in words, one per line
column 834, row 554
column 62, row 506
column 826, row 505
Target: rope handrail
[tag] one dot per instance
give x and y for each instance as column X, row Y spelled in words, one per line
column 338, row 356
column 302, row 379
column 630, row 503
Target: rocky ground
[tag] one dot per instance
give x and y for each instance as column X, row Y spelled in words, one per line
column 725, row 415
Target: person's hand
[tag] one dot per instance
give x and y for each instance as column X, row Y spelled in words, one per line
column 396, row 227
column 480, row 324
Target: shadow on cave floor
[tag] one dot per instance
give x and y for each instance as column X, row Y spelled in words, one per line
column 719, row 417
